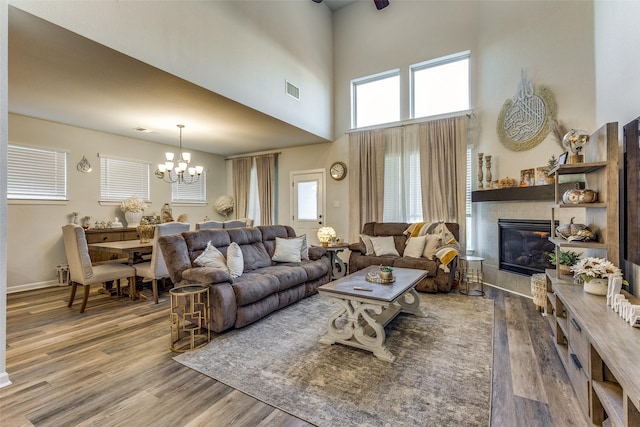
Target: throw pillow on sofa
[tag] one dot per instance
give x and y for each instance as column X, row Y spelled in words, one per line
column 415, row 246
column 304, row 250
column 432, row 244
column 384, row 246
column 287, row 250
column 235, row 260
column 368, row 245
column 211, row 257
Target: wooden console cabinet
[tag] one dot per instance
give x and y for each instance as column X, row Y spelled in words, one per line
column 599, row 351
column 98, row 235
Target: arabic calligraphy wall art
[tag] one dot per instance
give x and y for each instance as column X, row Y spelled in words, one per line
column 524, row 119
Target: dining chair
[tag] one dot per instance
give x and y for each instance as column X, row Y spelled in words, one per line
column 207, row 225
column 156, row 268
column 81, row 272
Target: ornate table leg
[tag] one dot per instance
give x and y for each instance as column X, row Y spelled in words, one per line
column 412, row 305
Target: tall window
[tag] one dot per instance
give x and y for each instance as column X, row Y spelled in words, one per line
column 121, row 179
column 190, row 193
column 440, row 86
column 402, row 185
column 253, row 210
column 36, row 174
column 375, row 99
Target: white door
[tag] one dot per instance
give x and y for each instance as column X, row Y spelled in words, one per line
column 308, row 203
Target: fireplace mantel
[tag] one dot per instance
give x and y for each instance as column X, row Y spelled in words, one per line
column 532, row 193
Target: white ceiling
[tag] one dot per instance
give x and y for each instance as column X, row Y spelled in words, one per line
column 57, row 75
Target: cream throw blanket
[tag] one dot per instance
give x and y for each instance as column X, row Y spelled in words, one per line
column 449, row 246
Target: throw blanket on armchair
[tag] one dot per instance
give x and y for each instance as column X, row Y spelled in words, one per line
column 449, row 246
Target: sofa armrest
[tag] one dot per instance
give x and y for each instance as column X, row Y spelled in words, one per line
column 316, row 252
column 358, row 247
column 207, row 275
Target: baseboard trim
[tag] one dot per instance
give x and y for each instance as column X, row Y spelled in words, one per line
column 32, row 286
column 4, row 380
column 509, row 290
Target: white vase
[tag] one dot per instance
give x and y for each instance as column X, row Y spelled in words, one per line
column 133, row 218
column 596, row 286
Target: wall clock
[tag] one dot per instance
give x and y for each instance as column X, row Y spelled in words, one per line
column 338, row 171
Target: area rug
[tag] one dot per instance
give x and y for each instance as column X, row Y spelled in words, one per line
column 441, row 375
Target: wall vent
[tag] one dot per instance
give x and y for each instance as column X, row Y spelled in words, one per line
column 292, row 90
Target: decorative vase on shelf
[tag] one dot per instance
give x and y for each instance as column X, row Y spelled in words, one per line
column 596, row 286
column 133, row 218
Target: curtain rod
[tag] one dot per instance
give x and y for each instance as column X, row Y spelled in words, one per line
column 253, row 156
column 469, row 113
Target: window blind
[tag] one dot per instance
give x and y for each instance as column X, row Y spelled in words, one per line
column 190, row 193
column 36, row 174
column 122, row 179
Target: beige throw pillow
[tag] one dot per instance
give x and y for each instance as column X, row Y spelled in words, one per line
column 415, row 246
column 287, row 250
column 384, row 246
column 304, row 250
column 367, row 244
column 211, row 257
column 235, row 260
column 432, row 244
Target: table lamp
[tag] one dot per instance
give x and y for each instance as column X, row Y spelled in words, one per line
column 326, row 235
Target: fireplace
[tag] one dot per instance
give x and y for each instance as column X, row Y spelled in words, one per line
column 524, row 245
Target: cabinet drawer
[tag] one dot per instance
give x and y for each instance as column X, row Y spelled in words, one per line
column 578, row 339
column 130, row 235
column 103, row 237
column 579, row 379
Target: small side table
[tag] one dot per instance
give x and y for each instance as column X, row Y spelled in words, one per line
column 470, row 277
column 338, row 266
column 189, row 318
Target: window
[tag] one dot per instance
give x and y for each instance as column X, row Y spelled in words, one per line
column 402, row 185
column 253, row 210
column 45, row 178
column 121, row 179
column 375, row 99
column 440, row 86
column 190, row 193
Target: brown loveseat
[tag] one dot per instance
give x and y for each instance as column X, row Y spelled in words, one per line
column 264, row 286
column 437, row 279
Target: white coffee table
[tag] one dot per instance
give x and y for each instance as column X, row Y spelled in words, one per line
column 366, row 308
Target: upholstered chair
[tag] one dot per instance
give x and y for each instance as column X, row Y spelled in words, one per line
column 207, row 225
column 156, row 268
column 82, row 272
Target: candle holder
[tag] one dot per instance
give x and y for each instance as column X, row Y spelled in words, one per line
column 480, row 186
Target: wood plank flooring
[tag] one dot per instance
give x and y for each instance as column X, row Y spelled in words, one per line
column 111, row 366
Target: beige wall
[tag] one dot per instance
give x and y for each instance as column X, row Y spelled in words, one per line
column 617, row 83
column 34, row 232
column 243, row 50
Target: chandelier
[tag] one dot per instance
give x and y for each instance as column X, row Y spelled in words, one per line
column 182, row 173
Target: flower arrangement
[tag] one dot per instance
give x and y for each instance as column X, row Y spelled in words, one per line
column 133, row 204
column 595, row 268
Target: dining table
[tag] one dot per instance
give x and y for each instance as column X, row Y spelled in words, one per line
column 131, row 248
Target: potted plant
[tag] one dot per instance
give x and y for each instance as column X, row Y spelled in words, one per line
column 595, row 273
column 567, row 260
column 386, row 272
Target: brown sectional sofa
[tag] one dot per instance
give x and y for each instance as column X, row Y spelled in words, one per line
column 264, row 287
column 437, row 279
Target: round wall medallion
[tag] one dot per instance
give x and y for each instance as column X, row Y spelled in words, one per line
column 338, row 171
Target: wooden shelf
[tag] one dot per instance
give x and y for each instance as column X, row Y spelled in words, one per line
column 611, row 399
column 578, row 168
column 578, row 244
column 579, row 205
column 531, row 193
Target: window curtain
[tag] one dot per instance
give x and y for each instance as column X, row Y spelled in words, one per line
column 265, row 168
column 366, row 185
column 402, row 186
column 443, row 158
column 241, row 183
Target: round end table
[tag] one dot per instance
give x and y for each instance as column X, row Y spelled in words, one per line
column 471, row 277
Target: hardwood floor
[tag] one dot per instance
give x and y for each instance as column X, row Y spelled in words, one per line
column 111, row 366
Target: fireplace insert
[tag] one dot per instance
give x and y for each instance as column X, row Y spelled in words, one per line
column 524, row 245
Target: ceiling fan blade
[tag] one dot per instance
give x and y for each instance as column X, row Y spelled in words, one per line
column 380, row 4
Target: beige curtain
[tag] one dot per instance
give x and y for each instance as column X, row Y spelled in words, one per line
column 241, row 179
column 366, row 185
column 443, row 157
column 265, row 168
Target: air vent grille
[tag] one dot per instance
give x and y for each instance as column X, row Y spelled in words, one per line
column 292, row 90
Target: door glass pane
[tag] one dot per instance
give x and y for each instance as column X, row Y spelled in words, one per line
column 308, row 200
